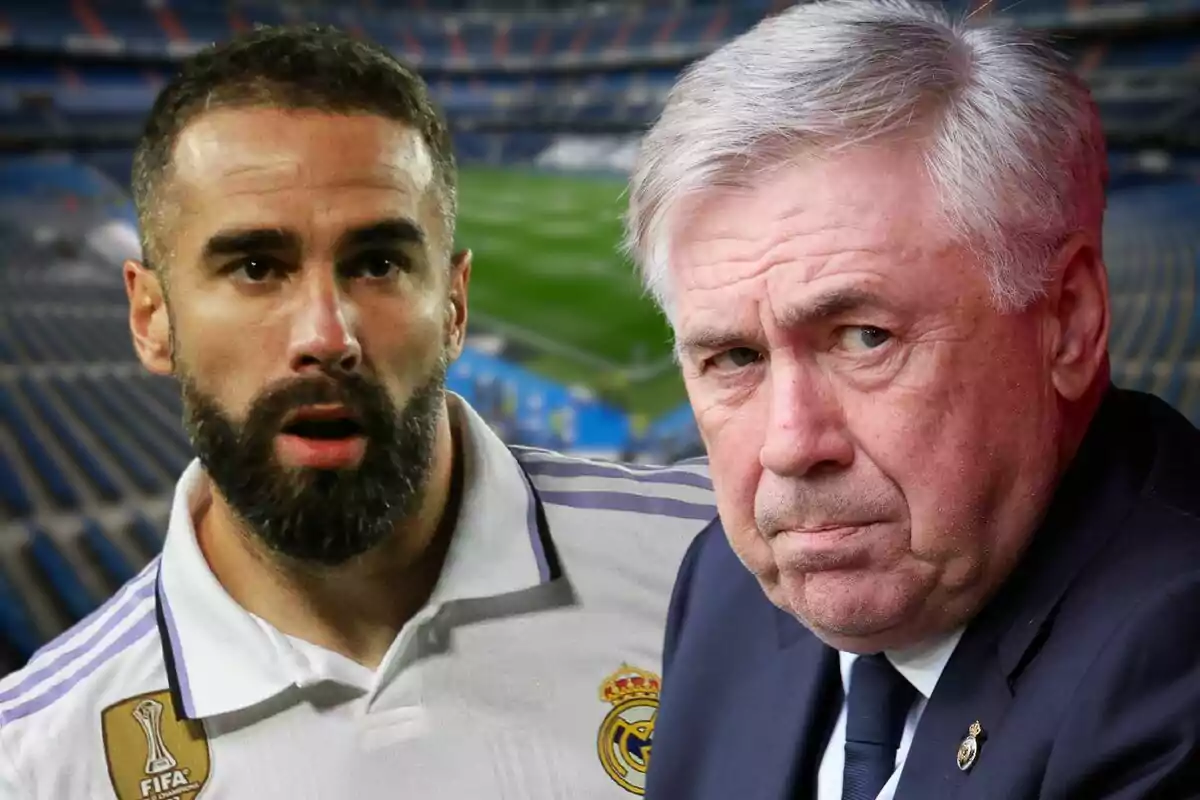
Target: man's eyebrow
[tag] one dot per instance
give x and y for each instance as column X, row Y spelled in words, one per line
column 237, row 242
column 708, row 340
column 384, row 232
column 824, row 307
column 831, row 304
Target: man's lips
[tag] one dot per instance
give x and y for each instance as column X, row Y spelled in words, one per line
column 827, row 547
column 822, row 529
column 324, row 412
column 321, row 437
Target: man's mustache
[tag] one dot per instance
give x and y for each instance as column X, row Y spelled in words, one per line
column 813, row 509
column 360, row 396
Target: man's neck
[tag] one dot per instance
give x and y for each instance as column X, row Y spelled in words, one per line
column 355, row 609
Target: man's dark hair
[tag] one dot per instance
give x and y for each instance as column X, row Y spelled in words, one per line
column 315, row 67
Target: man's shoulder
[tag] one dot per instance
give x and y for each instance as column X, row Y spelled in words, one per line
column 61, row 690
column 1173, row 444
column 621, row 529
column 675, row 497
column 1139, row 523
column 1154, row 557
column 1131, row 717
column 1157, row 541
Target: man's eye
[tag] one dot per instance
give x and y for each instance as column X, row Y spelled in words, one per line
column 254, row 269
column 864, row 337
column 377, row 265
column 735, row 358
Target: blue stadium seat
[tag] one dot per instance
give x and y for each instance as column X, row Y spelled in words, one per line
column 602, row 33
column 16, row 623
column 1167, row 326
column 107, row 75
column 207, row 24
column 26, row 333
column 112, row 561
column 163, row 447
column 261, row 13
column 13, row 493
column 97, row 474
column 48, row 470
column 1191, row 342
column 49, row 336
column 523, row 36
column 26, row 176
column 117, row 164
column 70, row 591
column 478, row 38
column 1138, row 347
column 140, row 406
column 25, row 76
column 642, row 35
column 133, row 23
column 8, row 352
column 1173, row 392
column 147, row 535
column 107, row 430
column 1173, row 51
column 42, row 25
column 691, row 27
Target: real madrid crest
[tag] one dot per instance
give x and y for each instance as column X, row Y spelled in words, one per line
column 151, row 753
column 626, row 732
column 968, row 751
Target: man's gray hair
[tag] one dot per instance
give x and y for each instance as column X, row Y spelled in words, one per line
column 1010, row 136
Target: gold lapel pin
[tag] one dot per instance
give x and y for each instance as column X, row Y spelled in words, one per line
column 968, row 751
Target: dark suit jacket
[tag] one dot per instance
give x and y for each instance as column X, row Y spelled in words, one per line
column 1084, row 670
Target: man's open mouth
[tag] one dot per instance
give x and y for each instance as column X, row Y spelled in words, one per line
column 323, row 424
column 339, row 428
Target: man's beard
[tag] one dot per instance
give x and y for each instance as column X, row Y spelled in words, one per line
column 322, row 517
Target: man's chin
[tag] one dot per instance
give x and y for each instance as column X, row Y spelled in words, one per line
column 857, row 611
column 310, row 546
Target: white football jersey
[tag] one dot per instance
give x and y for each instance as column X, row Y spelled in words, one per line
column 533, row 671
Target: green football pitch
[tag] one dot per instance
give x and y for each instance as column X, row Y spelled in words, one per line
column 548, row 275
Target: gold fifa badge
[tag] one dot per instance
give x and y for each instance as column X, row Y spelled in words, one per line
column 151, row 753
column 625, row 734
column 968, row 751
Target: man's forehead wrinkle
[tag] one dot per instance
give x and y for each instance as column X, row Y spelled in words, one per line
column 256, row 181
column 390, row 146
column 732, row 272
column 736, row 245
column 380, row 174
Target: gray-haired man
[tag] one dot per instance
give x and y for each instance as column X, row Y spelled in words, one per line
column 953, row 560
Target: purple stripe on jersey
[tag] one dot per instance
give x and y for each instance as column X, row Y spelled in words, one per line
column 128, row 600
column 118, row 597
column 535, row 535
column 185, row 691
column 576, row 469
column 638, row 504
column 123, row 642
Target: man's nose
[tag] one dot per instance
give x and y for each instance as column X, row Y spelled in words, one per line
column 323, row 334
column 806, row 427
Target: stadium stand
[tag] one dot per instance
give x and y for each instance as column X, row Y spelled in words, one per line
column 546, row 98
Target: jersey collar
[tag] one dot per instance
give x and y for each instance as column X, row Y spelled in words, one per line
column 219, row 658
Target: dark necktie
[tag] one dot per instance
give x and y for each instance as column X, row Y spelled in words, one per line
column 878, row 703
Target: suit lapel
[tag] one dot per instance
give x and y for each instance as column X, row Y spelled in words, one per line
column 981, row 679
column 973, row 688
column 791, row 699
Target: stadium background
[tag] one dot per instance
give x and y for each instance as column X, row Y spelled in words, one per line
column 546, row 99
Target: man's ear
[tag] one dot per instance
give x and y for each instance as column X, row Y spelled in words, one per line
column 456, row 311
column 148, row 317
column 1079, row 317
